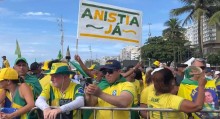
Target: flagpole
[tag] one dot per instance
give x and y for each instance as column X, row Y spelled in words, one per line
column 90, row 49
column 140, row 44
column 77, row 32
column 77, row 46
column 60, row 24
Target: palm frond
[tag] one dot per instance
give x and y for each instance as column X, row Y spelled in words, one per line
column 187, row 2
column 182, row 10
column 215, row 19
column 189, row 18
column 211, row 10
column 199, row 12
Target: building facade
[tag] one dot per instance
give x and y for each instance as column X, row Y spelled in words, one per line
column 210, row 36
column 130, row 53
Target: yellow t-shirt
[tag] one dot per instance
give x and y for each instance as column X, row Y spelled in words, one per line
column 6, row 64
column 1, row 90
column 56, row 98
column 136, row 83
column 45, row 80
column 167, row 100
column 114, row 90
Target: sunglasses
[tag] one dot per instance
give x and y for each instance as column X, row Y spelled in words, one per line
column 109, row 71
column 203, row 67
column 199, row 59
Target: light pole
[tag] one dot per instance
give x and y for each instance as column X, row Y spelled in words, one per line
column 90, row 49
column 149, row 32
column 149, row 35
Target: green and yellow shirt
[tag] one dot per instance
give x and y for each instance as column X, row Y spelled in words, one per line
column 114, row 89
column 16, row 102
column 189, row 89
column 56, row 98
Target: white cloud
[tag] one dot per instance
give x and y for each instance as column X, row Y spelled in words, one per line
column 37, row 14
column 41, row 16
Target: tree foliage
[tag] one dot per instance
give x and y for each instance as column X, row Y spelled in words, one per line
column 213, row 59
column 174, row 30
column 195, row 8
column 163, row 50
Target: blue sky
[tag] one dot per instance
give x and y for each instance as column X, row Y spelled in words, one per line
column 34, row 24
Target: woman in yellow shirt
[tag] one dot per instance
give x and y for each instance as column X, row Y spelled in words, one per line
column 18, row 95
column 159, row 95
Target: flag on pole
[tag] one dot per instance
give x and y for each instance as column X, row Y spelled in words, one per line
column 78, row 68
column 18, row 51
column 59, row 56
column 68, row 52
column 68, row 57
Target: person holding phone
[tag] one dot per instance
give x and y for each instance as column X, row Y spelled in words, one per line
column 112, row 91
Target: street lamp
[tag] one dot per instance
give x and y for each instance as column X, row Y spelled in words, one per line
column 149, row 33
column 149, row 62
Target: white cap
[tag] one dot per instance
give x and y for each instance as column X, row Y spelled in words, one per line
column 217, row 72
column 155, row 70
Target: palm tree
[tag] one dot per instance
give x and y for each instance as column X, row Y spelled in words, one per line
column 175, row 33
column 174, row 30
column 196, row 9
column 214, row 14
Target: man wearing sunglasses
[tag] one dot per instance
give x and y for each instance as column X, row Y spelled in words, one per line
column 112, row 91
column 189, row 89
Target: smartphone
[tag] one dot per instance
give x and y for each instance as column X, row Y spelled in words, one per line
column 88, row 80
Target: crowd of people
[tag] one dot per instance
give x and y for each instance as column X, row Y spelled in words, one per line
column 58, row 90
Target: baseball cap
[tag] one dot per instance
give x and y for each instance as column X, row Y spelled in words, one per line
column 156, row 63
column 3, row 56
column 20, row 59
column 34, row 66
column 95, row 67
column 217, row 72
column 59, row 68
column 45, row 65
column 111, row 64
column 9, row 74
column 182, row 65
column 156, row 69
column 92, row 67
column 208, row 69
